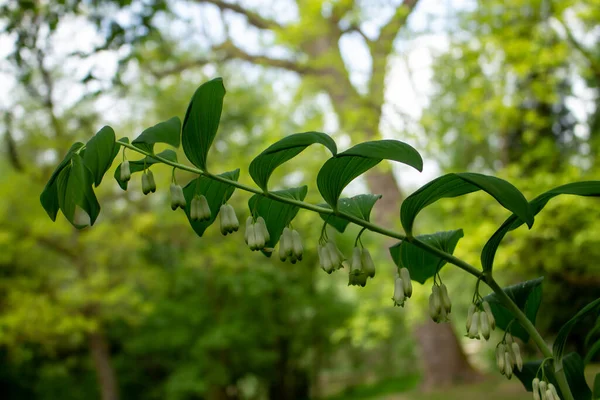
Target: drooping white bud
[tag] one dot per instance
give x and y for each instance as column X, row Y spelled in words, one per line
column 125, row 171
column 446, row 303
column 204, row 208
column 355, row 264
column 474, row 328
column 263, row 227
column 325, row 259
column 177, row 197
column 399, row 295
column 224, row 219
column 335, row 255
column 553, row 390
column 484, row 326
column 283, row 246
column 470, row 314
column 195, row 209
column 405, row 275
column 508, row 370
column 289, row 247
column 367, row 263
column 247, row 230
column 234, row 224
column 490, row 315
column 549, row 394
column 517, row 353
column 535, row 388
column 543, row 388
column 146, row 187
column 500, row 350
column 297, row 247
column 151, row 183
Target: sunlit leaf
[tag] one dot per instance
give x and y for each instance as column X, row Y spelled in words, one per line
column 74, row 186
column 453, row 185
column 100, row 151
column 164, row 132
column 342, row 169
column 49, row 196
column 421, row 264
column 202, row 121
column 587, row 188
column 287, row 148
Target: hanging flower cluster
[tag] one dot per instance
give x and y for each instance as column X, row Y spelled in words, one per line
column 508, row 355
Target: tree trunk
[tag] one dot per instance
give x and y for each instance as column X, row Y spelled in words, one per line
column 104, row 371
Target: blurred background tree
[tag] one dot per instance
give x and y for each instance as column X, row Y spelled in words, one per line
column 155, row 312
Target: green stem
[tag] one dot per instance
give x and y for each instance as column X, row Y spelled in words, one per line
column 504, row 298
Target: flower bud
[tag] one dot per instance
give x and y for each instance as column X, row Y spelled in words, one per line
column 224, row 219
column 195, row 208
column 508, row 371
column 289, row 246
column 203, row 207
column 517, row 353
column 474, row 330
column 325, row 259
column 247, row 230
column 146, row 188
column 435, row 305
column 399, row 295
column 470, row 314
column 234, row 224
column 484, row 326
column 367, row 263
column 177, row 198
column 357, row 278
column 500, row 350
column 543, row 388
column 549, row 394
column 446, row 303
column 297, row 247
column 283, row 247
column 125, row 171
column 535, row 388
column 490, row 315
column 553, row 390
column 259, row 236
column 355, row 264
column 405, row 275
column 335, row 255
column 543, row 395
column 251, row 231
column 263, row 227
column 151, row 183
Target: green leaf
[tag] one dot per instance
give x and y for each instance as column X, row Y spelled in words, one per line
column 359, row 206
column 138, row 165
column 574, row 371
column 421, row 264
column 453, row 185
column 561, row 338
column 277, row 215
column 597, row 386
column 74, row 186
column 586, row 188
column 202, row 120
column 100, row 153
column 164, row 132
column 217, row 193
column 527, row 296
column 49, row 196
column 287, row 148
column 342, row 169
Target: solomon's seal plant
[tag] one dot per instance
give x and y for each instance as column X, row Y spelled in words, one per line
column 418, row 257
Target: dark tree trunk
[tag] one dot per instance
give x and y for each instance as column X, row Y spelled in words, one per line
column 105, row 373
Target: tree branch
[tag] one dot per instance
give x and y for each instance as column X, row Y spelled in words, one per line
column 254, row 18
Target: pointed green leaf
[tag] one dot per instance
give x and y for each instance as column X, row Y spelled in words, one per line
column 49, row 196
column 453, row 185
column 100, row 153
column 217, row 193
column 287, row 148
column 277, row 215
column 586, row 188
column 527, row 296
column 561, row 338
column 574, row 371
column 421, row 264
column 202, row 121
column 591, row 353
column 342, row 169
column 359, row 206
column 164, row 132
column 74, row 186
column 138, row 165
